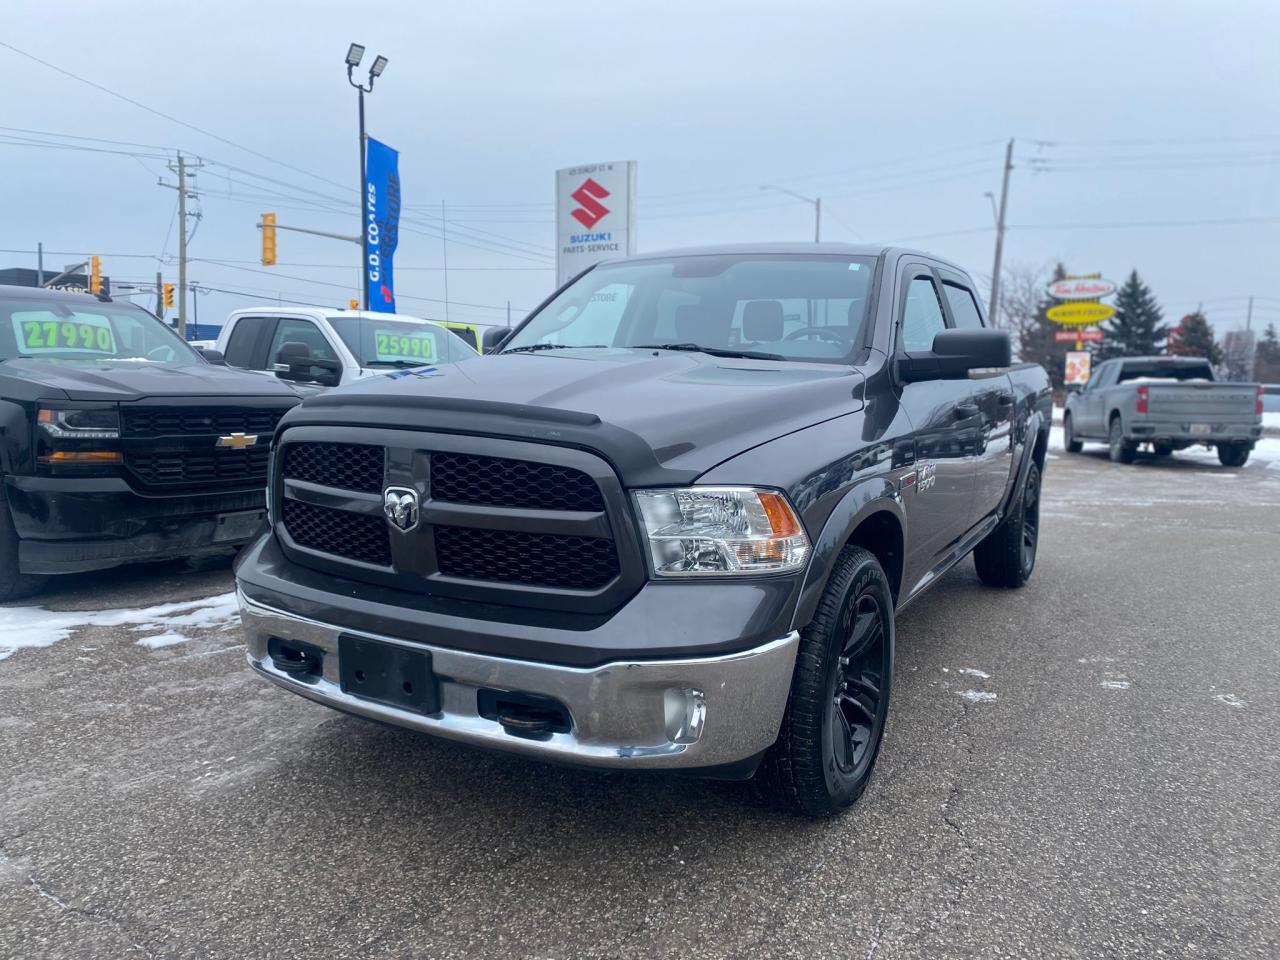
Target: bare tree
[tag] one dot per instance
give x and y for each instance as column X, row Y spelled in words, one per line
column 1021, row 297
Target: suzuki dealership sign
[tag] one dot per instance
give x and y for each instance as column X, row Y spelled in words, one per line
column 595, row 215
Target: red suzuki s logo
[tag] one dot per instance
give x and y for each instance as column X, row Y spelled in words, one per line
column 590, row 209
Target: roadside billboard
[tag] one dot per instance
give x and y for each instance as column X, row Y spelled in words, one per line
column 595, row 215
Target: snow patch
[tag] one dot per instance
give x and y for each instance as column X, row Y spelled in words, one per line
column 1118, row 683
column 22, row 627
column 978, row 696
column 1231, row 700
column 970, row 671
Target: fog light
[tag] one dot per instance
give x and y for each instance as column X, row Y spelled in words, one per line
column 685, row 711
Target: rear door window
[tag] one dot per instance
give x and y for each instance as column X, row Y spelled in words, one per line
column 246, row 334
column 964, row 309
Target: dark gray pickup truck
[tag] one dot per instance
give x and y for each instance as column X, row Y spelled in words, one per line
column 667, row 525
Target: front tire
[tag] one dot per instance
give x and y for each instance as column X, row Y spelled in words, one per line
column 834, row 722
column 1069, row 440
column 1234, row 454
column 13, row 585
column 1121, row 450
column 1007, row 556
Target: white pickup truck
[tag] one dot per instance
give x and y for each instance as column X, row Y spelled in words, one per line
column 1170, row 403
column 332, row 347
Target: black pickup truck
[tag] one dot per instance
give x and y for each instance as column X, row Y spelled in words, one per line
column 666, row 525
column 120, row 443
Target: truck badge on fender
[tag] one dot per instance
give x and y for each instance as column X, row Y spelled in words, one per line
column 400, row 504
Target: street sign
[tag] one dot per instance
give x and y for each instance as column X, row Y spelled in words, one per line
column 1072, row 336
column 594, row 215
column 1080, row 288
column 1080, row 314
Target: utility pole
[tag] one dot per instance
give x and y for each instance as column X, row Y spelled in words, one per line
column 355, row 53
column 182, row 247
column 181, row 166
column 1248, row 317
column 992, row 316
column 817, row 220
column 159, row 295
column 40, row 264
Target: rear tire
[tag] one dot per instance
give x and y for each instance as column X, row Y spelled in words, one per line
column 1234, row 454
column 1121, row 450
column 13, row 585
column 1069, row 440
column 834, row 722
column 1007, row 556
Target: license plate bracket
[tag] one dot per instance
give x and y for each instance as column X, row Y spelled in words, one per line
column 388, row 673
column 237, row 526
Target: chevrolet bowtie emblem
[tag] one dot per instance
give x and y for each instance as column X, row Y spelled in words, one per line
column 238, row 441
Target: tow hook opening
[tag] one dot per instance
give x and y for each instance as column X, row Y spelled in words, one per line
column 296, row 658
column 524, row 714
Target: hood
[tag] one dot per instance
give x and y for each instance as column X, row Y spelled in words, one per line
column 691, row 410
column 133, row 381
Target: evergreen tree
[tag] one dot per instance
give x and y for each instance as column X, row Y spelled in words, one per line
column 1267, row 358
column 1193, row 337
column 1135, row 330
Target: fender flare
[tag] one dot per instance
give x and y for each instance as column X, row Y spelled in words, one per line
column 1030, row 438
column 15, row 438
column 864, row 499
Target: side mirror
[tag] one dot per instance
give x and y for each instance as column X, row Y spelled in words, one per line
column 956, row 353
column 295, row 362
column 212, row 355
column 493, row 339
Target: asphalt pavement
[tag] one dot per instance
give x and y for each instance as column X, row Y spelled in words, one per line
column 1084, row 768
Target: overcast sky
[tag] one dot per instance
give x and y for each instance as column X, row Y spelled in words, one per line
column 896, row 114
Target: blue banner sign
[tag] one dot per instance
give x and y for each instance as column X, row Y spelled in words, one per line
column 381, row 223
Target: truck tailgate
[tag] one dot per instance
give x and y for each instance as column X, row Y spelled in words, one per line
column 1204, row 402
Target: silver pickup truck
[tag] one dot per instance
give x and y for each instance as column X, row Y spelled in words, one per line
column 1170, row 403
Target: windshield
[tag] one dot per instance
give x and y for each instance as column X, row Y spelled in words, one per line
column 58, row 331
column 399, row 343
column 804, row 307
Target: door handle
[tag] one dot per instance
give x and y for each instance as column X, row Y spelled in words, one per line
column 966, row 410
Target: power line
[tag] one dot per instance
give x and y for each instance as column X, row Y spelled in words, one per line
column 169, row 117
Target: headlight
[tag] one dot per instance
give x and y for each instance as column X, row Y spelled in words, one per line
column 100, row 423
column 726, row 531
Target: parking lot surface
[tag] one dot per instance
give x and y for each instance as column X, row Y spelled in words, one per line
column 1084, row 768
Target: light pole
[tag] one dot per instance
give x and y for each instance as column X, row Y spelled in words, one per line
column 816, row 202
column 355, row 53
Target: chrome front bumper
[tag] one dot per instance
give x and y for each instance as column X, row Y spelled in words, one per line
column 648, row 714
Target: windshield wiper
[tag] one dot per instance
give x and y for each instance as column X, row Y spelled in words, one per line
column 711, row 351
column 532, row 347
column 400, row 363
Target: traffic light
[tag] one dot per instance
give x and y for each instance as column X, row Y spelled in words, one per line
column 95, row 275
column 268, row 239
column 168, row 295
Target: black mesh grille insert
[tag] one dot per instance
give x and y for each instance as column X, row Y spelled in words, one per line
column 188, row 421
column 355, row 536
column 187, row 467
column 536, row 559
column 497, row 482
column 351, row 466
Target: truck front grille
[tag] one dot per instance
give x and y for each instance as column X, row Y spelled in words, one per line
column 155, row 468
column 170, row 421
column 497, row 482
column 489, row 526
column 349, row 466
column 536, row 559
column 353, row 536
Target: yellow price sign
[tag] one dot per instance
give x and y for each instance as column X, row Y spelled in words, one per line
column 1080, row 314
